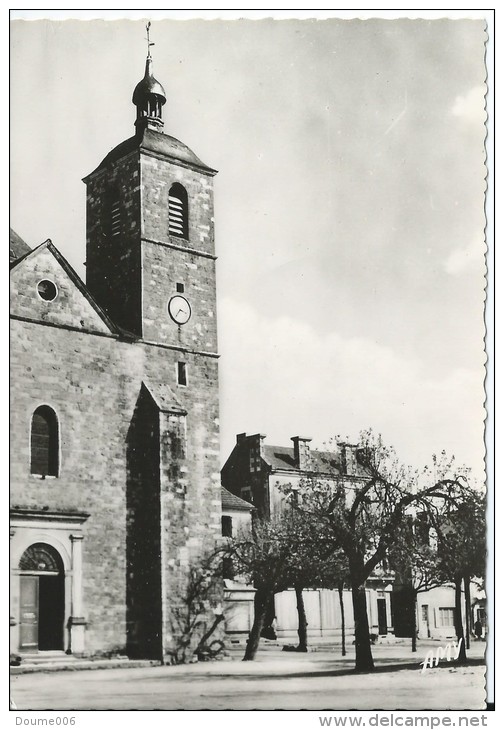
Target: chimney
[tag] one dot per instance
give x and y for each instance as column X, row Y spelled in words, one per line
column 348, row 460
column 301, row 452
column 256, row 451
column 257, row 442
column 240, row 437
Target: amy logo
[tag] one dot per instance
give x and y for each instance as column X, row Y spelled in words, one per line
column 449, row 651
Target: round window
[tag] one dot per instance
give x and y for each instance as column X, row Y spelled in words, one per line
column 47, row 290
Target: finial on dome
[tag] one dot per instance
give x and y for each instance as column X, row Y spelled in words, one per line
column 149, row 44
column 149, row 96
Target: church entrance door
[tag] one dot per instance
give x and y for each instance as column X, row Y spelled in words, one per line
column 29, row 612
column 42, row 599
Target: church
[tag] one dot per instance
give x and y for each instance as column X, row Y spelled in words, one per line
column 115, row 484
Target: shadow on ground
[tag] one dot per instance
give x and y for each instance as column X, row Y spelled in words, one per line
column 384, row 666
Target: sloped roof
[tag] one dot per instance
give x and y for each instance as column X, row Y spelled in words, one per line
column 282, row 457
column 164, row 397
column 17, row 247
column 231, row 501
column 157, row 142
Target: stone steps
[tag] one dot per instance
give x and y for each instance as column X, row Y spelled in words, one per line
column 47, row 657
column 71, row 663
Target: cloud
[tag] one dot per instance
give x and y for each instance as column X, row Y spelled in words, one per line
column 470, row 108
column 280, row 377
column 463, row 259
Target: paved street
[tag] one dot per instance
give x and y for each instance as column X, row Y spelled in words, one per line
column 315, row 681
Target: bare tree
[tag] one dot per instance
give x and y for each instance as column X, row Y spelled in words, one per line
column 416, row 563
column 461, row 535
column 270, row 554
column 364, row 516
column 196, row 612
column 286, row 551
column 318, row 564
column 331, row 572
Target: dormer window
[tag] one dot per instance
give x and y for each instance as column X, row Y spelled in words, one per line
column 178, row 211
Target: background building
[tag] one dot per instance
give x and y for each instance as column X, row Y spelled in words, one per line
column 256, row 472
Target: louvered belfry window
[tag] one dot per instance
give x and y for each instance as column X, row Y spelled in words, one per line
column 115, row 216
column 177, row 211
column 44, row 442
column 112, row 213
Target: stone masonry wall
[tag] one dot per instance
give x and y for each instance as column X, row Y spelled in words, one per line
column 93, row 383
column 113, row 263
column 157, row 176
column 70, row 307
column 163, row 267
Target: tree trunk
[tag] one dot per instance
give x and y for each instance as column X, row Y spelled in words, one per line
column 363, row 655
column 459, row 626
column 302, row 622
column 414, row 620
column 261, row 600
column 467, row 595
column 342, row 609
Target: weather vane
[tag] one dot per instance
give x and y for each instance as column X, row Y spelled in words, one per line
column 149, row 44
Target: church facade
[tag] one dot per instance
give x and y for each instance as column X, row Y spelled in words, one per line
column 115, row 484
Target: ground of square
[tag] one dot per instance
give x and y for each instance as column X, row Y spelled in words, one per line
column 317, row 681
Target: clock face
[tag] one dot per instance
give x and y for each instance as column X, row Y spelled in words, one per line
column 179, row 309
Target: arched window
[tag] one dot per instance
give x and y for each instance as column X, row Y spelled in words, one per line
column 41, row 557
column 178, row 223
column 44, row 442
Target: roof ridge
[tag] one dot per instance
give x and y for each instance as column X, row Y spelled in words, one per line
column 291, row 448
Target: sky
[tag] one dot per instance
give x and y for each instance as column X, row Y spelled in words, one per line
column 349, row 206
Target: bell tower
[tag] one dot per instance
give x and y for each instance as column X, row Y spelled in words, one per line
column 151, row 266
column 150, row 232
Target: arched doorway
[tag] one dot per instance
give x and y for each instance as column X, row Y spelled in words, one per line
column 42, row 599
